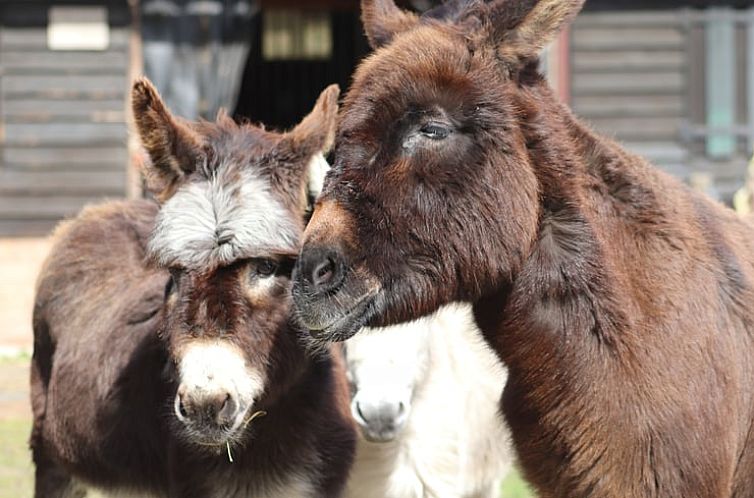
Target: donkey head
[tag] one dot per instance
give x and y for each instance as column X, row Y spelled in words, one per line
column 433, row 196
column 233, row 200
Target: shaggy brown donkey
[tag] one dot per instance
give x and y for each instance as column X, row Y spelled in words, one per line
column 621, row 301
column 153, row 383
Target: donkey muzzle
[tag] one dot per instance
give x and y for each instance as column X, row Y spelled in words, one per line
column 380, row 421
column 207, row 410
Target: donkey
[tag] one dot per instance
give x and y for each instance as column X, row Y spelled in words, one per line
column 165, row 361
column 425, row 396
column 621, row 302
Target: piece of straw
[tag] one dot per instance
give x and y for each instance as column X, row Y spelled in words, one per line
column 260, row 413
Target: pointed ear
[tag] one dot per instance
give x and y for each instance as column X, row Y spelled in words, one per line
column 312, row 138
column 382, row 20
column 174, row 149
column 316, row 132
column 522, row 29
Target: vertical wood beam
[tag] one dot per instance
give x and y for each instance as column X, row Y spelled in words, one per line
column 720, row 78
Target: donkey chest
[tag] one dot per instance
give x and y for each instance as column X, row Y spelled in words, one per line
column 293, row 486
column 290, row 486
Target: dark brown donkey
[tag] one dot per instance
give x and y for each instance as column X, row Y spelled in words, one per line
column 191, row 383
column 621, row 301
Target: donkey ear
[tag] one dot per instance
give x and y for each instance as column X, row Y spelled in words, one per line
column 316, row 132
column 174, row 149
column 522, row 29
column 383, row 20
column 309, row 140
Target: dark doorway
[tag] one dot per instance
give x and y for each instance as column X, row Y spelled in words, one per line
column 294, row 55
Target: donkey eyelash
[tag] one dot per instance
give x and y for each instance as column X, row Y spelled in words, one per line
column 172, row 284
column 271, row 267
column 435, row 130
column 264, row 267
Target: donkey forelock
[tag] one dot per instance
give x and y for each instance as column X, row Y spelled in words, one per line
column 213, row 222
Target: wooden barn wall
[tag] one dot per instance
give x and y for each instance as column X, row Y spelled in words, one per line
column 675, row 86
column 629, row 81
column 62, row 113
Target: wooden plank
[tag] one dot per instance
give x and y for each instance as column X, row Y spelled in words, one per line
column 47, row 110
column 629, row 60
column 664, row 129
column 659, row 152
column 63, row 182
column 83, row 134
column 49, row 62
column 58, row 106
column 681, row 171
column 26, row 228
column 720, row 82
column 36, row 38
column 71, row 94
column 622, row 38
column 640, row 19
column 628, row 83
column 629, row 106
column 14, row 84
column 72, row 115
column 695, row 97
column 43, row 207
column 44, row 158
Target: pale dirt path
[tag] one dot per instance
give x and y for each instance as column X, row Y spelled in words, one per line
column 14, row 389
column 20, row 261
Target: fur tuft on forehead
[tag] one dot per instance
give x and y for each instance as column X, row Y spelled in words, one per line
column 213, row 222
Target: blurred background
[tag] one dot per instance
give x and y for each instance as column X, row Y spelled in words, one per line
column 673, row 80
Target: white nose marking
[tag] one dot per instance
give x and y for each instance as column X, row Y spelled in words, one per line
column 219, row 366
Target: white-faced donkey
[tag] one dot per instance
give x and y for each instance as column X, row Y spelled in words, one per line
column 425, row 397
column 165, row 363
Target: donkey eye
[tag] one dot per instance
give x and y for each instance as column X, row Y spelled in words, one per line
column 172, row 284
column 265, row 267
column 435, row 131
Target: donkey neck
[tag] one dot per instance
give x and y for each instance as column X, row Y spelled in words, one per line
column 565, row 292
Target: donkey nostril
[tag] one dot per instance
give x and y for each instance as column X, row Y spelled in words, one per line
column 180, row 408
column 360, row 413
column 227, row 412
column 324, row 272
column 401, row 408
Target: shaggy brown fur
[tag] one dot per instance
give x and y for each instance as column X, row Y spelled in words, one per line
column 110, row 332
column 621, row 301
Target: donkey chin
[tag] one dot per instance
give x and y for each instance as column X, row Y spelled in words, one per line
column 340, row 316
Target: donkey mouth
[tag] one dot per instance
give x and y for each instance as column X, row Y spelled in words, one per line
column 213, row 436
column 348, row 323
